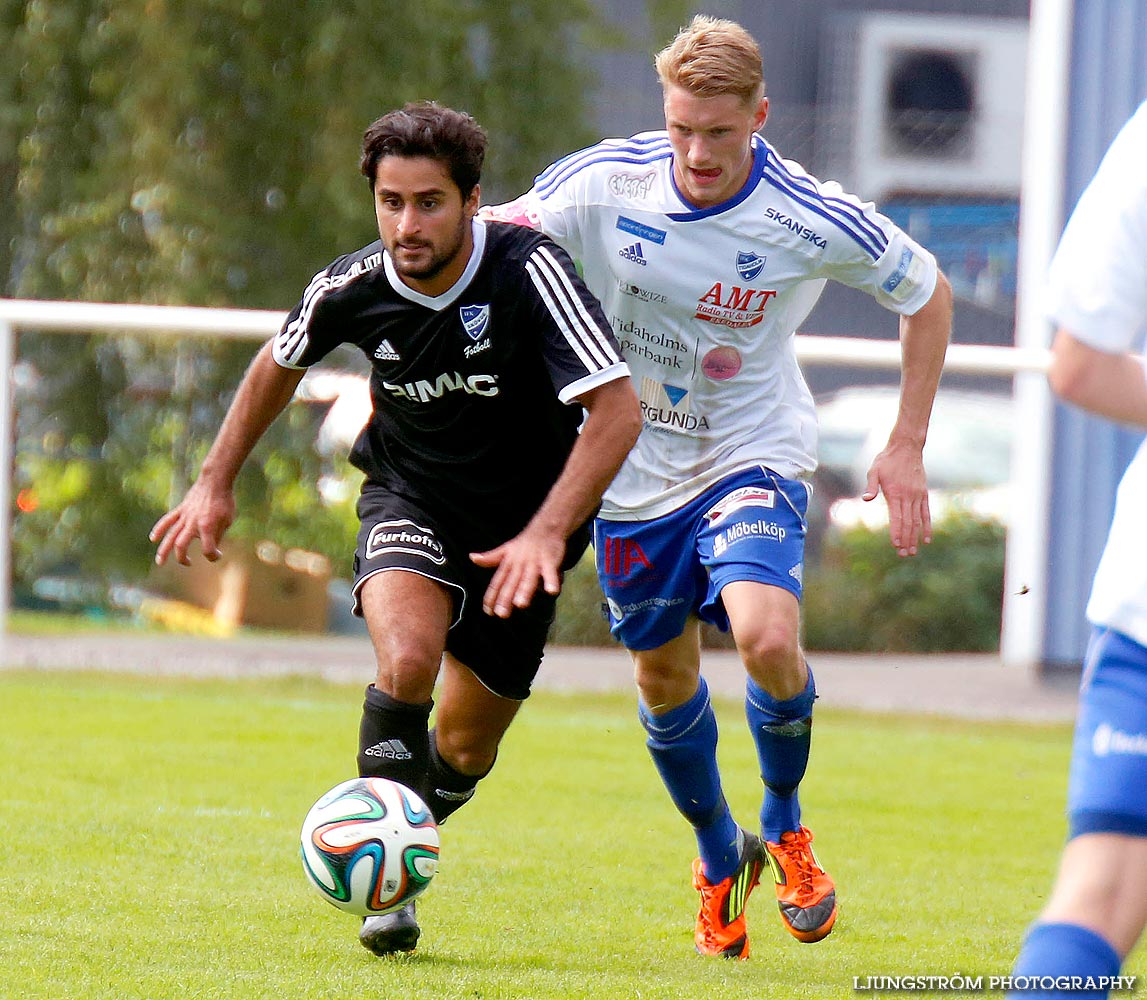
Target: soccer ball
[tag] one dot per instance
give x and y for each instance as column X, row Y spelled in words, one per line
column 369, row 845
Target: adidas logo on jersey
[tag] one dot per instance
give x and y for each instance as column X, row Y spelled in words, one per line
column 634, row 254
column 386, row 352
column 390, row 750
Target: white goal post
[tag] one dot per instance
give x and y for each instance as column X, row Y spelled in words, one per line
column 186, row 321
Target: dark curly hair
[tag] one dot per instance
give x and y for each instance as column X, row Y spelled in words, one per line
column 424, row 128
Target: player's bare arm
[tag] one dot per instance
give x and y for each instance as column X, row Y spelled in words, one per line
column 209, row 506
column 535, row 555
column 898, row 471
column 1107, row 384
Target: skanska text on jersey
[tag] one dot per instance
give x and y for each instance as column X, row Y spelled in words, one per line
column 794, row 226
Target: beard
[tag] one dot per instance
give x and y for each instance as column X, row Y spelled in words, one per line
column 439, row 259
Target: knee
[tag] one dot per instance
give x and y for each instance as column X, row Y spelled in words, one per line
column 772, row 657
column 662, row 687
column 769, row 646
column 407, row 669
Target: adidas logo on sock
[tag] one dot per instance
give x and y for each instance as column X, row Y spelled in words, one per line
column 634, row 254
column 390, row 750
column 449, row 796
column 386, row 352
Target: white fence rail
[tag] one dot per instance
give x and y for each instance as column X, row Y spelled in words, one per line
column 183, row 321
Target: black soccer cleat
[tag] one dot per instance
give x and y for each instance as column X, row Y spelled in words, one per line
column 388, row 933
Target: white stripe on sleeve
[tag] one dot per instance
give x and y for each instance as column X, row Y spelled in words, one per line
column 293, row 339
column 568, row 310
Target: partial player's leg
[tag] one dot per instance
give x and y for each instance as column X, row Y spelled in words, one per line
column 487, row 672
column 408, row 589
column 653, row 581
column 752, row 545
column 468, row 729
column 407, row 616
column 778, row 705
column 463, row 745
column 484, row 676
column 1098, row 908
column 682, row 740
column 1102, row 885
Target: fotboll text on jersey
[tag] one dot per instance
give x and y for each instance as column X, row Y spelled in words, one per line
column 424, row 390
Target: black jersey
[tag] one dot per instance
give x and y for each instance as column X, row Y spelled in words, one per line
column 470, row 388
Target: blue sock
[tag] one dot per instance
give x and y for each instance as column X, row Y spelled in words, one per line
column 1064, row 950
column 683, row 744
column 782, row 731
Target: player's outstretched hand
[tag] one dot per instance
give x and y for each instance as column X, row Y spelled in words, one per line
column 204, row 514
column 898, row 473
column 519, row 565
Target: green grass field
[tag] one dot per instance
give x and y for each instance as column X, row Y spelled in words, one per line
column 148, row 849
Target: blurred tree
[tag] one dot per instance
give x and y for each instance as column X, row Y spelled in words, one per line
column 206, row 153
column 666, row 18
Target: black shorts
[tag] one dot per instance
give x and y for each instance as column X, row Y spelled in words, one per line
column 395, row 533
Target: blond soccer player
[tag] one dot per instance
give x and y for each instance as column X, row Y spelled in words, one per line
column 707, row 250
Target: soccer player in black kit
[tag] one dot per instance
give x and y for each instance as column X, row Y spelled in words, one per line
column 487, row 356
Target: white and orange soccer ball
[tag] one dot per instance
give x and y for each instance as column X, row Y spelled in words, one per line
column 369, row 846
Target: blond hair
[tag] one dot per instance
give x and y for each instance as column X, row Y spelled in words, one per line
column 711, row 57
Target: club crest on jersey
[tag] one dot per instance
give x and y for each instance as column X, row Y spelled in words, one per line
column 475, row 320
column 749, row 265
column 746, row 496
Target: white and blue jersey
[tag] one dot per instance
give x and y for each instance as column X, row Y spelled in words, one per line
column 706, row 302
column 1097, row 292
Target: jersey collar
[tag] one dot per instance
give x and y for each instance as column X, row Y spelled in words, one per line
column 760, row 154
column 440, row 302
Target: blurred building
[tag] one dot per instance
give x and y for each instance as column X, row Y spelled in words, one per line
column 917, row 105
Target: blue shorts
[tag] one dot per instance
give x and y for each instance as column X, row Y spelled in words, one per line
column 655, row 574
column 1107, row 786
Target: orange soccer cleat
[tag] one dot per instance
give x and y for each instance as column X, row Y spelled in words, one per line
column 721, row 929
column 805, row 893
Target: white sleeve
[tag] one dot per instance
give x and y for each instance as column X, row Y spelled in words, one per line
column 1097, row 282
column 552, row 206
column 883, row 261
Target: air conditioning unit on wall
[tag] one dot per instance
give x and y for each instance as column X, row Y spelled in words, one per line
column 923, row 104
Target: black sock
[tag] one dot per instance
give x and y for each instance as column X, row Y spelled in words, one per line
column 393, row 741
column 447, row 790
